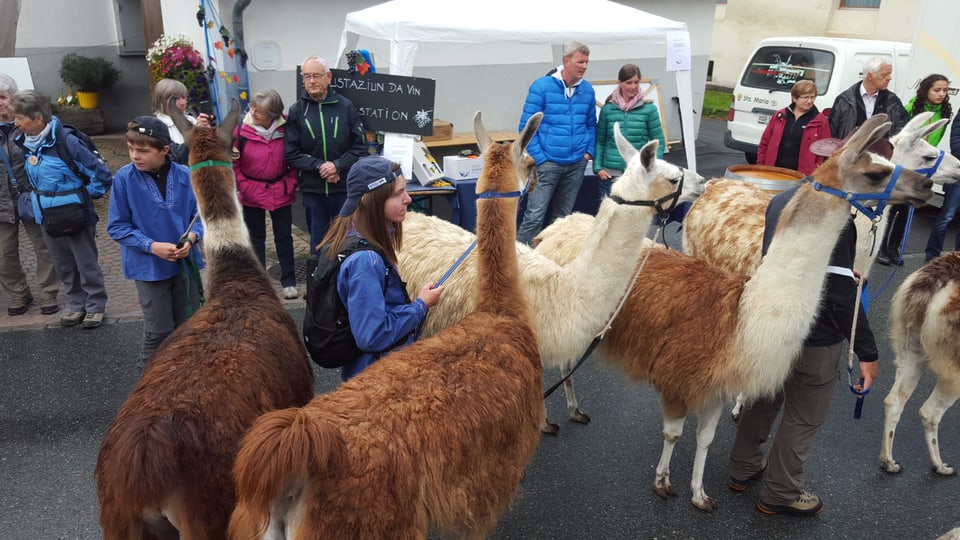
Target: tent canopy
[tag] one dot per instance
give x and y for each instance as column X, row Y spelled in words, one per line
column 407, row 23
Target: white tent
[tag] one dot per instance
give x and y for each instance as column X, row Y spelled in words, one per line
column 407, row 23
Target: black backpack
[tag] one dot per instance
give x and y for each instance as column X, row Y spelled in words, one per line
column 326, row 327
column 67, row 157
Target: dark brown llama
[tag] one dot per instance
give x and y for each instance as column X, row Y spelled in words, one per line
column 434, row 435
column 164, row 466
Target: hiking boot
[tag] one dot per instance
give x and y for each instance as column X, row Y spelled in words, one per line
column 92, row 320
column 49, row 306
column 72, row 319
column 741, row 485
column 290, row 293
column 19, row 306
column 807, row 505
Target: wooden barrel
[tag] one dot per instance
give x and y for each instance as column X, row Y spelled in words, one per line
column 768, row 178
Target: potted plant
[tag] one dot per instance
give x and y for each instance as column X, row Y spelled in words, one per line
column 87, row 76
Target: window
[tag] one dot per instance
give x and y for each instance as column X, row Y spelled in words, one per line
column 859, row 3
column 778, row 68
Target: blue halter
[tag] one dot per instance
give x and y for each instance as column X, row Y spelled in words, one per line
column 932, row 169
column 855, row 198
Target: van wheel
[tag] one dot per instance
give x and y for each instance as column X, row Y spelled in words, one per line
column 751, row 158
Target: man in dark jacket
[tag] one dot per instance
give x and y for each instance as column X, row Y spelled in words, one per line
column 851, row 109
column 324, row 137
column 806, row 396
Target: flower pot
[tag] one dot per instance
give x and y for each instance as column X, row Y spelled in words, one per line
column 88, row 100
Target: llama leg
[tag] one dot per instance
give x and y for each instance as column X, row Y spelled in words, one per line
column 905, row 382
column 737, row 407
column 672, row 429
column 706, row 429
column 576, row 415
column 944, row 394
column 546, row 426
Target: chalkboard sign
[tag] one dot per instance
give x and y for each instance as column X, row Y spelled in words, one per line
column 389, row 103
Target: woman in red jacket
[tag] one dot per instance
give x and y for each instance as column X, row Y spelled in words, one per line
column 265, row 183
column 786, row 140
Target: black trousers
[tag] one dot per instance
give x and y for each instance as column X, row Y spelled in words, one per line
column 892, row 238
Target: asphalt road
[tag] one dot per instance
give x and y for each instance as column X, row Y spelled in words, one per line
column 62, row 387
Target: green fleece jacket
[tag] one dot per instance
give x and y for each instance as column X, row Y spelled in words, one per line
column 639, row 125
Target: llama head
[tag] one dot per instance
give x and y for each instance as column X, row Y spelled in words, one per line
column 911, row 150
column 515, row 163
column 856, row 170
column 208, row 143
column 647, row 177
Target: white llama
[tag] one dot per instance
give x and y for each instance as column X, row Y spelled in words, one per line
column 585, row 292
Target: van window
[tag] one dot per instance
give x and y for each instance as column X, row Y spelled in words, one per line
column 779, row 67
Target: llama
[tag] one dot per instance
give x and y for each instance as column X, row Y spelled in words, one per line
column 435, row 434
column 586, row 291
column 747, row 330
column 924, row 324
column 164, row 465
column 725, row 225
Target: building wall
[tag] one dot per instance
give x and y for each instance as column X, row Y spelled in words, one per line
column 741, row 24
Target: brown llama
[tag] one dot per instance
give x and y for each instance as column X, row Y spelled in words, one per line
column 700, row 335
column 433, row 435
column 924, row 328
column 164, row 465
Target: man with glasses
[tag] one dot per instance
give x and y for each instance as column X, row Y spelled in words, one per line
column 324, row 137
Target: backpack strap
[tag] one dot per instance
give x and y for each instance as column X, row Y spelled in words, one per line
column 64, row 151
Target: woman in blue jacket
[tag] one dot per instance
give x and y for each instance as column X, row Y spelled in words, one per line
column 55, row 185
column 382, row 317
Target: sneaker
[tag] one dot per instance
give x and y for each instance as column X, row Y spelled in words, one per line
column 72, row 319
column 741, row 485
column 49, row 306
column 92, row 320
column 290, row 293
column 19, row 306
column 807, row 505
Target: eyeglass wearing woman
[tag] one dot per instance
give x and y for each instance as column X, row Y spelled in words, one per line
column 790, row 132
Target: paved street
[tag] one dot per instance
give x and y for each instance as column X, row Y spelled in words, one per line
column 62, row 387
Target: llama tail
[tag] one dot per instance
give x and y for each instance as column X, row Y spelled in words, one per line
column 278, row 457
column 148, row 449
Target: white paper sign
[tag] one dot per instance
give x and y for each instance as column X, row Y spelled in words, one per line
column 678, row 51
column 398, row 148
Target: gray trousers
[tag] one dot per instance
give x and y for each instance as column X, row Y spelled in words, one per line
column 805, row 399
column 164, row 305
column 12, row 277
column 76, row 260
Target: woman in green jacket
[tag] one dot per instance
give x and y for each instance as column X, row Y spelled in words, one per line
column 931, row 96
column 639, row 123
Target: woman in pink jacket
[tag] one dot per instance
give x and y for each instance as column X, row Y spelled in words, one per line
column 266, row 183
column 786, row 140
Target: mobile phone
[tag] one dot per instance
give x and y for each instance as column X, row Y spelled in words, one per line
column 206, row 108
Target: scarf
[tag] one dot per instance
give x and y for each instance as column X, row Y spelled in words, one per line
column 34, row 141
column 625, row 105
column 268, row 133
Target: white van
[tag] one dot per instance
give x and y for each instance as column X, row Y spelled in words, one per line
column 834, row 64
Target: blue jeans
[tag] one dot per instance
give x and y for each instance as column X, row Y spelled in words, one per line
column 556, row 190
column 951, row 202
column 320, row 209
column 282, row 219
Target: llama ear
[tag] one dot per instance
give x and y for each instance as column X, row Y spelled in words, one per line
column 930, row 128
column 480, row 132
column 626, row 149
column 648, row 154
column 226, row 128
column 533, row 123
column 184, row 125
column 870, row 132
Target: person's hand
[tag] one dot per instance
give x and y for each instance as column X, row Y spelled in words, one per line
column 869, row 371
column 430, row 295
column 203, row 120
column 603, row 175
column 328, row 171
column 169, row 252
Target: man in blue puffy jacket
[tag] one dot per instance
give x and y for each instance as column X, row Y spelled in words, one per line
column 562, row 145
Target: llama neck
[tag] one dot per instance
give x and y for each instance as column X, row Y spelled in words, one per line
column 498, row 272
column 780, row 302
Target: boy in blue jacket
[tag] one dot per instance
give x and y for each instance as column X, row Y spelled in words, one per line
column 152, row 213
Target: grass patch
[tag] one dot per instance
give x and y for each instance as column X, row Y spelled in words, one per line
column 715, row 104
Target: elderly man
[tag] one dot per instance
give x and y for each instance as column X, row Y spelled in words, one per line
column 324, row 137
column 562, row 145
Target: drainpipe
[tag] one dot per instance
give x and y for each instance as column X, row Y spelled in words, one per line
column 244, row 85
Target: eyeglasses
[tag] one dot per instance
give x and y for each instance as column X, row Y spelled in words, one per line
column 312, row 76
column 811, row 98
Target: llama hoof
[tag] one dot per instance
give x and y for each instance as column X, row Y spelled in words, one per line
column 707, row 504
column 735, row 415
column 549, row 428
column 944, row 470
column 664, row 491
column 580, row 417
column 891, row 467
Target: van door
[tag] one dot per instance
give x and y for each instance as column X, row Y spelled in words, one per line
column 764, row 88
